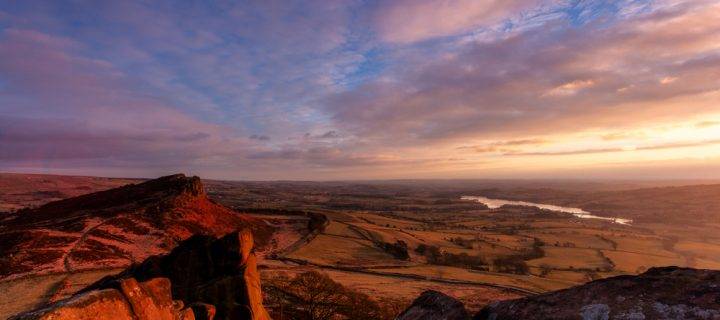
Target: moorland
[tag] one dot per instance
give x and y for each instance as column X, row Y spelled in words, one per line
column 392, row 240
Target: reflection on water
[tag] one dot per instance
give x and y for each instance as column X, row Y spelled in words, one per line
column 580, row 213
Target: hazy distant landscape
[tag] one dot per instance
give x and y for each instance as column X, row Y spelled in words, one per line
column 376, row 235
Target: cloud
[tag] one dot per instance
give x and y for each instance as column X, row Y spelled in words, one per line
column 407, row 21
column 503, row 146
column 493, row 89
column 83, row 109
column 331, row 134
column 384, row 84
column 570, row 88
column 621, row 136
column 662, row 146
column 259, row 137
column 707, row 124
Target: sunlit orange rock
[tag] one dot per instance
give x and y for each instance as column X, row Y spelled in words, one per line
column 150, row 300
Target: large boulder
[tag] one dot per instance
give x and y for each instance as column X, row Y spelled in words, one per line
column 434, row 305
column 203, row 269
column 149, row 300
column 659, row 293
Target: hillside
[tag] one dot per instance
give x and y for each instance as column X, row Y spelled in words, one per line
column 113, row 228
column 19, row 190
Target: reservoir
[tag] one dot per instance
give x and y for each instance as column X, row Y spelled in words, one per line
column 580, row 213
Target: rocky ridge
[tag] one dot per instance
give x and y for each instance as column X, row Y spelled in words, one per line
column 114, row 228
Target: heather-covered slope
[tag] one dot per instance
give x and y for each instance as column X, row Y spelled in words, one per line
column 114, row 228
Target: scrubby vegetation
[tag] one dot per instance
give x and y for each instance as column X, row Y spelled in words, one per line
column 435, row 256
column 315, row 296
column 399, row 249
column 516, row 263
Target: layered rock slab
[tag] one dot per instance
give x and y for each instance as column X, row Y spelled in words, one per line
column 149, row 300
column 659, row 293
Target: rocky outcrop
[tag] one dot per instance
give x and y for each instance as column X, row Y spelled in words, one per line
column 149, row 300
column 114, row 228
column 433, row 305
column 203, row 269
column 203, row 278
column 659, row 293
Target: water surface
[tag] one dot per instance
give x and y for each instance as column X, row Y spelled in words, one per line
column 580, row 213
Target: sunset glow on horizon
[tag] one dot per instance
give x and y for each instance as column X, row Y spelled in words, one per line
column 329, row 90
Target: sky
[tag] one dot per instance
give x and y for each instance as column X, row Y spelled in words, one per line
column 345, row 89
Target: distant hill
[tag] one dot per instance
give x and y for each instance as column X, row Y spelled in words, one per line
column 114, row 228
column 20, row 190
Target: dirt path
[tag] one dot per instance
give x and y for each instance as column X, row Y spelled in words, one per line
column 58, row 289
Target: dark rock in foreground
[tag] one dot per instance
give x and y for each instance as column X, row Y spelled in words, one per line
column 202, row 269
column 659, row 293
column 215, row 278
column 433, row 305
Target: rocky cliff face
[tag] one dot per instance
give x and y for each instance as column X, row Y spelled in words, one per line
column 659, row 293
column 113, row 228
column 216, row 278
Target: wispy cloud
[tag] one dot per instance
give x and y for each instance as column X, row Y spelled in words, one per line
column 662, row 146
column 503, row 146
column 310, row 89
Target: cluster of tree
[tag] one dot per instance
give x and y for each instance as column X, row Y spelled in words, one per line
column 465, row 243
column 511, row 264
column 318, row 221
column 536, row 252
column 443, row 258
column 315, row 296
column 516, row 263
column 399, row 249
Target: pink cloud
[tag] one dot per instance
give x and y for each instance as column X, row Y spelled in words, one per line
column 58, row 106
column 549, row 80
column 408, row 21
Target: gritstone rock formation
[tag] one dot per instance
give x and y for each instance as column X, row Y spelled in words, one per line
column 149, row 300
column 215, row 278
column 433, row 305
column 114, row 228
column 221, row 272
column 668, row 293
column 659, row 293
